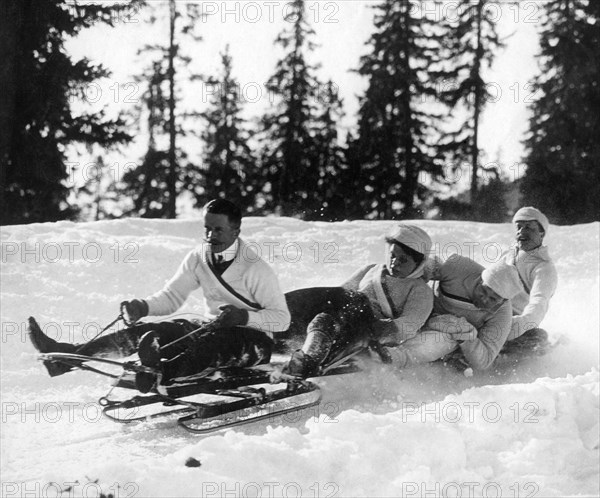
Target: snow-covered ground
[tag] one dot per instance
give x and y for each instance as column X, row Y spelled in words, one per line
column 524, row 431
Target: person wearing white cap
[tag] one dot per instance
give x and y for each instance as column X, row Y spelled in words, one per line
column 400, row 298
column 386, row 303
column 537, row 273
column 471, row 311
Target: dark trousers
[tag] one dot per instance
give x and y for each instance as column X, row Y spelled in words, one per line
column 231, row 346
column 344, row 317
column 225, row 347
column 125, row 342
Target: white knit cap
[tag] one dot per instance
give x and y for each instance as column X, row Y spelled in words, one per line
column 532, row 214
column 411, row 236
column 503, row 279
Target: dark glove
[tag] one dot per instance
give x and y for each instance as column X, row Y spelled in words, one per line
column 231, row 316
column 134, row 310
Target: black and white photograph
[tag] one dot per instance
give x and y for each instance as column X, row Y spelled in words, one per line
column 300, row 248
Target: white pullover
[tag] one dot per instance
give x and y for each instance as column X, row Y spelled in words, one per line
column 248, row 275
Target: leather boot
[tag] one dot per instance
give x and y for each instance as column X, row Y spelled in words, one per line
column 44, row 344
column 305, row 362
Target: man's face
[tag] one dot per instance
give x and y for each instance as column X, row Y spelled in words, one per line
column 219, row 232
column 398, row 263
column 529, row 235
column 485, row 298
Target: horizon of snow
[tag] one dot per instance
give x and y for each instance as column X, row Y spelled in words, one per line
column 530, row 430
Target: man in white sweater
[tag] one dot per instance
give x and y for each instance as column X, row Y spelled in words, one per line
column 538, row 277
column 242, row 297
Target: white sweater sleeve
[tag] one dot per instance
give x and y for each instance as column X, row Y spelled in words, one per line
column 483, row 350
column 544, row 285
column 176, row 291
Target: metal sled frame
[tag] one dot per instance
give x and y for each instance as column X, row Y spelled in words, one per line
column 238, row 397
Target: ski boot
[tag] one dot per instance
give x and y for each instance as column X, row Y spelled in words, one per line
column 44, row 344
column 299, row 367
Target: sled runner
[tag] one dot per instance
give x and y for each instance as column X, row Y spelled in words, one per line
column 206, row 402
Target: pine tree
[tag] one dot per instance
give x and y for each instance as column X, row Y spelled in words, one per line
column 394, row 131
column 563, row 147
column 331, row 189
column 229, row 167
column 94, row 190
column 157, row 182
column 356, row 180
column 290, row 146
column 147, row 183
column 40, row 82
column 473, row 44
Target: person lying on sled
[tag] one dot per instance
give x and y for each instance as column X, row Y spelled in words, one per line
column 240, row 290
column 380, row 303
column 538, row 276
column 471, row 313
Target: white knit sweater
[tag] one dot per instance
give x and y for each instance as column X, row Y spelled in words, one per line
column 538, row 275
column 403, row 303
column 249, row 275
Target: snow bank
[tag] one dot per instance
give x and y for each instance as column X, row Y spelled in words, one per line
column 528, row 430
column 521, row 438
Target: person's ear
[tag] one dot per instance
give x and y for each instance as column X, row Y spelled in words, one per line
column 541, row 228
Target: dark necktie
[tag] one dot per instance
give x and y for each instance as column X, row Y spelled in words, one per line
column 219, row 263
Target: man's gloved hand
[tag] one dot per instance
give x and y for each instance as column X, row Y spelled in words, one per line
column 231, row 316
column 134, row 310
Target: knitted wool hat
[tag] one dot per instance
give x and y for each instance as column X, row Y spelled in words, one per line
column 411, row 236
column 503, row 279
column 532, row 214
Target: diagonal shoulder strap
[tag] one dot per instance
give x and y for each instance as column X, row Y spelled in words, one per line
column 386, row 292
column 382, row 297
column 231, row 290
column 455, row 297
